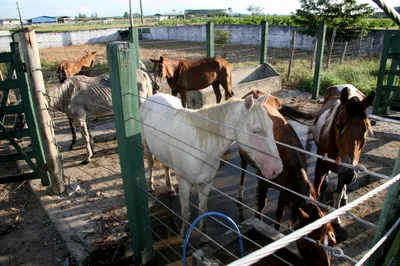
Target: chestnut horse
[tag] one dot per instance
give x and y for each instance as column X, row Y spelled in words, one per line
column 68, row 68
column 340, row 131
column 189, row 75
column 294, row 177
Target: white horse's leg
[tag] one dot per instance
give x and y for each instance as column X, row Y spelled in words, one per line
column 86, row 138
column 184, row 191
column 204, row 191
column 170, row 188
column 150, row 162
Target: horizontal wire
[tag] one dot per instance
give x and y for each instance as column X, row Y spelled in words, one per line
column 168, row 245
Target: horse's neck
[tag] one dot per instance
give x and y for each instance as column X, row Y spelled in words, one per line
column 172, row 65
column 59, row 96
column 215, row 136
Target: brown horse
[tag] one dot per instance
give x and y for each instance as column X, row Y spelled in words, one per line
column 340, row 131
column 68, row 68
column 189, row 75
column 295, row 178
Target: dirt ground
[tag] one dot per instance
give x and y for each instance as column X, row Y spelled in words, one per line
column 93, row 220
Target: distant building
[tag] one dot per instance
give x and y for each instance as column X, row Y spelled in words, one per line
column 64, row 19
column 107, row 20
column 9, row 22
column 160, row 17
column 42, row 19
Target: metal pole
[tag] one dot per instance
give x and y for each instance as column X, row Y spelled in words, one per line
column 35, row 77
column 141, row 11
column 210, row 39
column 314, row 54
column 128, row 130
column 20, row 18
column 318, row 62
column 264, row 42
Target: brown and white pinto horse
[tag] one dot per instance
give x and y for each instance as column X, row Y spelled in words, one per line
column 340, row 131
column 189, row 75
column 68, row 68
column 294, row 177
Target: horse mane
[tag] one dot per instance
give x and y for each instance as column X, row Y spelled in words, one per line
column 216, row 113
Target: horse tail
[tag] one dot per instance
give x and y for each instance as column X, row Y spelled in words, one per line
column 294, row 114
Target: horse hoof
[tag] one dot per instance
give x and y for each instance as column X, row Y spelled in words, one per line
column 150, row 188
column 85, row 162
column 70, row 148
column 240, row 192
column 341, row 234
column 172, row 193
column 205, row 239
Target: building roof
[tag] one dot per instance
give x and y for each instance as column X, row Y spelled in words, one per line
column 43, row 17
column 9, row 19
column 168, row 14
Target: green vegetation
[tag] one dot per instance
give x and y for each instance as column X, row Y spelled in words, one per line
column 221, row 39
column 346, row 15
column 361, row 73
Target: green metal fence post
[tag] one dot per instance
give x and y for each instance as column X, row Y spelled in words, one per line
column 210, row 39
column 382, row 69
column 318, row 61
column 264, row 42
column 120, row 56
column 389, row 215
column 134, row 39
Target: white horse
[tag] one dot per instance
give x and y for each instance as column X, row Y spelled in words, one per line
column 166, row 124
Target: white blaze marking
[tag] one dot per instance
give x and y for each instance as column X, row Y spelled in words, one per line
column 318, row 126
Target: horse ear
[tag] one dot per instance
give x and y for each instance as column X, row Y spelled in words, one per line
column 344, row 96
column 249, row 102
column 370, row 99
column 153, row 60
column 264, row 98
column 161, row 59
column 303, row 214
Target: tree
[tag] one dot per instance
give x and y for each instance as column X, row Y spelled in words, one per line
column 346, row 15
column 126, row 15
column 254, row 10
column 94, row 15
column 230, row 10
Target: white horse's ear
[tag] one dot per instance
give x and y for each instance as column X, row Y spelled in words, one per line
column 249, row 102
column 264, row 98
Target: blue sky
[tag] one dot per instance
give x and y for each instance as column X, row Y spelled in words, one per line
column 33, row 8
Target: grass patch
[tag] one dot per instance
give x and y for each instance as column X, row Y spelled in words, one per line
column 362, row 73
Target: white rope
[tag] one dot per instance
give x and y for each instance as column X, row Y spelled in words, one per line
column 283, row 242
column 378, row 244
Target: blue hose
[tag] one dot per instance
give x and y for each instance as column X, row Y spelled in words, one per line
column 201, row 217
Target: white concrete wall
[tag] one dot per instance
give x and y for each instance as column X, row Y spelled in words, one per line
column 278, row 36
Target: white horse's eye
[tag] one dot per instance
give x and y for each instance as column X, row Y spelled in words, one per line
column 256, row 131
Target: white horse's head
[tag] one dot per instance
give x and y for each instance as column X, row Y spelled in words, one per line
column 256, row 120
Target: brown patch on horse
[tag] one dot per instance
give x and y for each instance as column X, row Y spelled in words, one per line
column 188, row 75
column 69, row 68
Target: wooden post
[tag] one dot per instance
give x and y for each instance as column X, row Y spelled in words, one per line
column 360, row 42
column 210, row 39
column 264, row 42
column 389, row 214
column 292, row 54
column 382, row 70
column 141, row 11
column 314, row 54
column 344, row 53
column 318, row 62
column 126, row 116
column 331, row 48
column 371, row 47
column 35, row 77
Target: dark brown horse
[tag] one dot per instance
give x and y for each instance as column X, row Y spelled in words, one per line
column 294, row 177
column 189, row 75
column 340, row 131
column 69, row 68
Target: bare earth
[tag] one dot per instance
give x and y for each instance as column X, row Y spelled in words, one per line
column 94, row 218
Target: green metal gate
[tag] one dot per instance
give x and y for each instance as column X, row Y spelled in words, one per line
column 388, row 87
column 14, row 60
